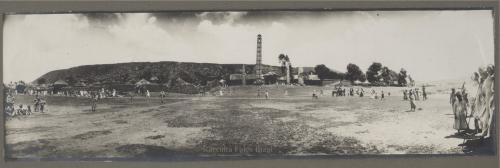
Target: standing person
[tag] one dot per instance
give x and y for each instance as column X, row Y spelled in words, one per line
column 267, row 94
column 93, row 102
column 452, row 98
column 488, row 108
column 148, row 95
column 460, row 123
column 473, row 114
column 36, row 103
column 131, row 94
column 424, row 93
column 405, row 94
column 417, row 94
column 476, row 102
column 43, row 105
column 162, row 96
column 411, row 96
column 382, row 95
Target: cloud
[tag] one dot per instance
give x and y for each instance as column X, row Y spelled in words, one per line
column 221, row 17
column 429, row 44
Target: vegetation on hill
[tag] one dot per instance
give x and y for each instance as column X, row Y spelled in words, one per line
column 165, row 73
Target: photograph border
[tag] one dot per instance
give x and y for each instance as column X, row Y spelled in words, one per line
column 74, row 6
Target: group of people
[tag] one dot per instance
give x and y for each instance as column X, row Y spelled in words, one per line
column 337, row 92
column 12, row 109
column 480, row 108
column 414, row 95
column 380, row 95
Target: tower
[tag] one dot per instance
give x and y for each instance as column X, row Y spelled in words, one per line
column 258, row 65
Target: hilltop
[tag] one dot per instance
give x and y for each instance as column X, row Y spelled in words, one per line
column 163, row 72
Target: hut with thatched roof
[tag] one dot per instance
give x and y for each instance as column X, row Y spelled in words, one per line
column 59, row 85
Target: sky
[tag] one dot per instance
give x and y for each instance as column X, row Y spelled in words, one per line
column 430, row 45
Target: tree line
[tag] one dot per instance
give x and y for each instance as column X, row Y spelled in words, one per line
column 376, row 74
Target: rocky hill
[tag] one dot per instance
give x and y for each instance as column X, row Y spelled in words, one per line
column 161, row 72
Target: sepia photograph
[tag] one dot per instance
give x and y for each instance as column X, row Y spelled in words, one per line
column 211, row 85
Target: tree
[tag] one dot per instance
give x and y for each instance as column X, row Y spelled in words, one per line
column 146, row 74
column 385, row 74
column 282, row 60
column 41, row 81
column 372, row 74
column 322, row 71
column 402, row 77
column 20, row 88
column 354, row 73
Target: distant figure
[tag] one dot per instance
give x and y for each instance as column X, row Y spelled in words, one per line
column 452, row 98
column 382, row 95
column 267, row 94
column 162, row 96
column 314, row 95
column 405, row 94
column 114, row 93
column 131, row 94
column 417, row 94
column 413, row 106
column 424, row 93
column 93, row 102
column 43, row 105
column 286, row 92
column 388, row 93
column 36, row 103
column 148, row 95
column 361, row 94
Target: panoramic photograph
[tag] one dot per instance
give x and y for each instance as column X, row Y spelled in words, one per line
column 191, row 85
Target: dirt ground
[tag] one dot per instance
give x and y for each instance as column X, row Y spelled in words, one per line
column 236, row 124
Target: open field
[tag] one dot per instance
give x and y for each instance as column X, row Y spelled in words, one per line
column 236, row 124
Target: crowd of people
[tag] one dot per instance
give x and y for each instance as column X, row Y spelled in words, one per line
column 17, row 109
column 480, row 107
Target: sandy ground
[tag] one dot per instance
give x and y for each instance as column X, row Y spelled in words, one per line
column 238, row 124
